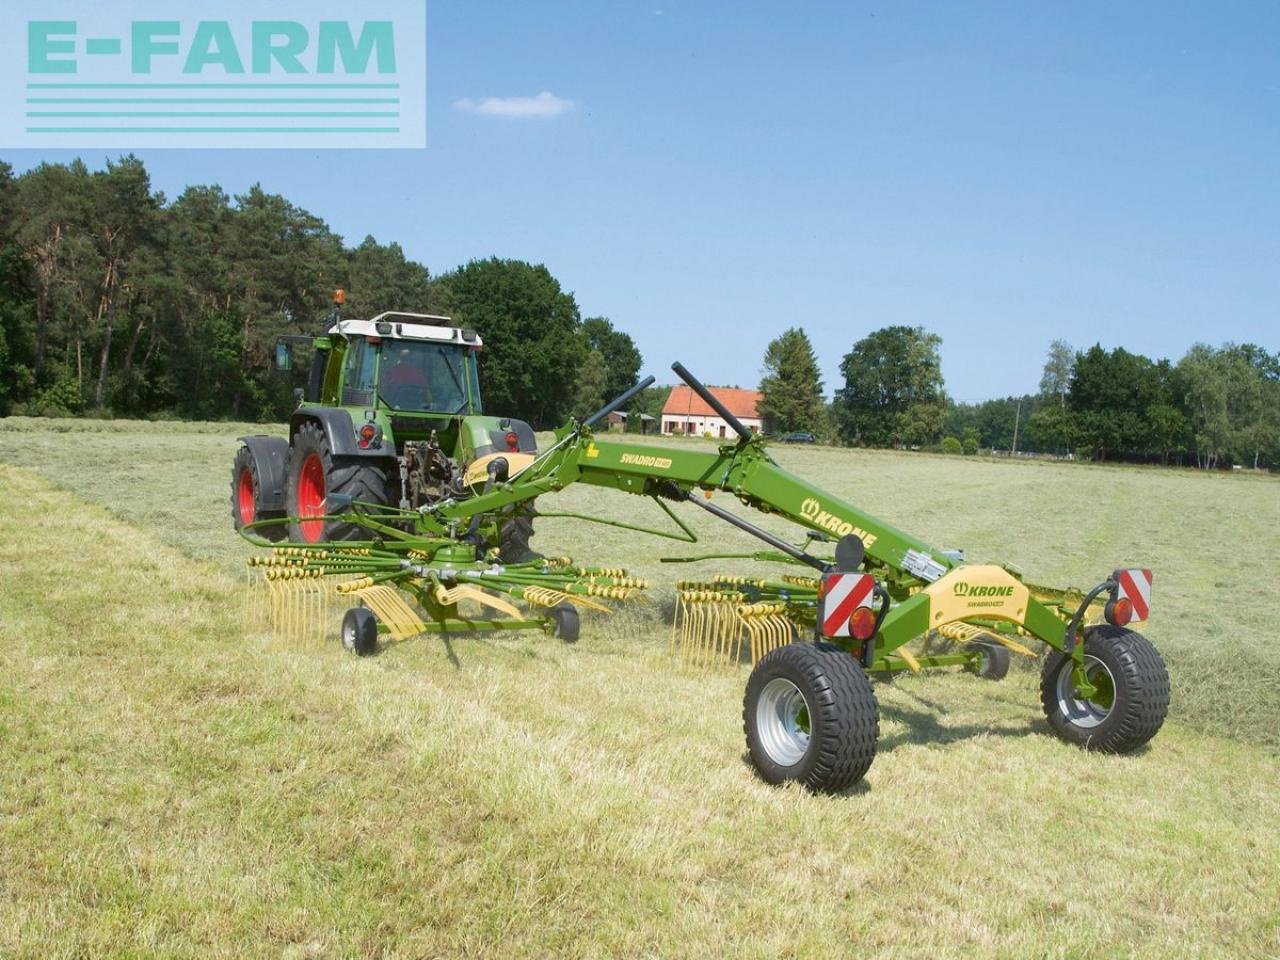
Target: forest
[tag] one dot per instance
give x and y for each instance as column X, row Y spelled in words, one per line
column 117, row 301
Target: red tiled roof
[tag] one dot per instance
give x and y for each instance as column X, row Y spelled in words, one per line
column 684, row 402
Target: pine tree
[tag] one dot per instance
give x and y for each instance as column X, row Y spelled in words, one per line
column 791, row 389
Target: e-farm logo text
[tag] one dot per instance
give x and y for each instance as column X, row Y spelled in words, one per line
column 285, row 74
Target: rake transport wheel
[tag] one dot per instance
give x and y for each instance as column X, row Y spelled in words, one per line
column 1132, row 695
column 312, row 472
column 566, row 624
column 246, row 495
column 992, row 664
column 360, row 631
column 810, row 715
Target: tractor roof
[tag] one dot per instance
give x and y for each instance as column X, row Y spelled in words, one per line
column 408, row 326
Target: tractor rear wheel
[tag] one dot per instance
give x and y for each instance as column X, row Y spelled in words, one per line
column 1131, row 695
column 312, row 473
column 810, row 715
column 246, row 496
column 513, row 546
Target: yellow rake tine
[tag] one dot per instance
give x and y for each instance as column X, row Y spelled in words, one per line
column 909, row 659
column 1012, row 644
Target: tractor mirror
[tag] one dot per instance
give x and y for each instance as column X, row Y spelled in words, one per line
column 284, row 357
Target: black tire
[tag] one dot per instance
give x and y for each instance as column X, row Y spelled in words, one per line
column 993, row 664
column 246, row 494
column 357, row 478
column 567, row 625
column 513, row 541
column 1128, row 663
column 842, row 716
column 360, row 631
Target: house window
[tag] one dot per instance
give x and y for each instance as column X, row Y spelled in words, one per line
column 722, row 431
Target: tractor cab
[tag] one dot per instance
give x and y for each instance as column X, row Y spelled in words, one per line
column 404, row 362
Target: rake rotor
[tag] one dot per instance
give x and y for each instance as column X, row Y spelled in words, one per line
column 295, row 589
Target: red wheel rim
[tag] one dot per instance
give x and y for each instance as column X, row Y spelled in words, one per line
column 311, row 497
column 244, row 497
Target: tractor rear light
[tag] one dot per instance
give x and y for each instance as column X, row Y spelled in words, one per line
column 1118, row 612
column 370, row 436
column 513, row 442
column 862, row 624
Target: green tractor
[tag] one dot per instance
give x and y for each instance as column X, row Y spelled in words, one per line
column 391, row 416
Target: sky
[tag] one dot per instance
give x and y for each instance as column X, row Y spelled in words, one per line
column 708, row 174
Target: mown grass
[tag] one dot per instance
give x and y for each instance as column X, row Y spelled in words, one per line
column 169, row 787
column 1212, row 539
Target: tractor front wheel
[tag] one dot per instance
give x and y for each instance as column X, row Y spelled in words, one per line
column 810, row 715
column 246, row 496
column 313, row 472
column 1130, row 695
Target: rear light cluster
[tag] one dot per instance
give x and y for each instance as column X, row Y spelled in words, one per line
column 845, row 606
column 1131, row 597
column 369, row 435
column 862, row 624
column 1119, row 612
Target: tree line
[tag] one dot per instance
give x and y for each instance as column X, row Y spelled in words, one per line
column 116, row 301
column 1215, row 407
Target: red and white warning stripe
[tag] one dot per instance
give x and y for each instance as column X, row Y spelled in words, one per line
column 843, row 593
column 1135, row 586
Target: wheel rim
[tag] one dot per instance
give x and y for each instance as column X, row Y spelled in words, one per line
column 1091, row 712
column 782, row 720
column 311, row 497
column 348, row 633
column 244, row 497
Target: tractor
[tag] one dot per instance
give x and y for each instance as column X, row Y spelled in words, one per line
column 391, row 416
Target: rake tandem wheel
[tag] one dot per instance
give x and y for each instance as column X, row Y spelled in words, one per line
column 447, row 553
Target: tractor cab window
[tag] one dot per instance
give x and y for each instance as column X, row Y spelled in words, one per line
column 425, row 377
column 358, row 372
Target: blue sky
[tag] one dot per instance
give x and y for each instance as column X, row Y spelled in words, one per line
column 1000, row 173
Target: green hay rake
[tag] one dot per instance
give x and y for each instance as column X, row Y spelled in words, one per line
column 814, row 638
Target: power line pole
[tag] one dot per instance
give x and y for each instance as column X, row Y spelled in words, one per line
column 1017, row 419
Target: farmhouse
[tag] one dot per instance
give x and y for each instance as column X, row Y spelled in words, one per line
column 686, row 412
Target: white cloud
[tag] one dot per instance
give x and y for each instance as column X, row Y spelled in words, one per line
column 545, row 104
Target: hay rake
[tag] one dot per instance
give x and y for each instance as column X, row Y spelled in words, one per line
column 412, row 586
column 813, row 639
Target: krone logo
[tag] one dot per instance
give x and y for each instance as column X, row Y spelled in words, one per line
column 962, row 589
column 811, row 510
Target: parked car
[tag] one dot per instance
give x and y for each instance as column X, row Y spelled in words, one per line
column 799, row 436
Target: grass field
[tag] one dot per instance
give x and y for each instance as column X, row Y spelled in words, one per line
column 170, row 787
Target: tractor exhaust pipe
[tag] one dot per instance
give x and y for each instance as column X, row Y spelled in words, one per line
column 696, row 386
